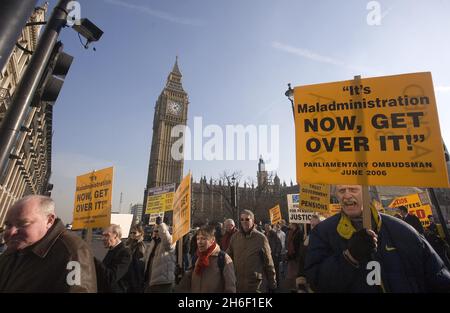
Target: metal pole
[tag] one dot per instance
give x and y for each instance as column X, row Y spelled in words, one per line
column 24, row 93
column 13, row 17
column 234, row 203
column 443, row 222
column 293, row 110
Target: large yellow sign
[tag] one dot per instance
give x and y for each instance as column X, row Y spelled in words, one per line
column 92, row 208
column 314, row 197
column 275, row 215
column 374, row 131
column 160, row 199
column 417, row 204
column 182, row 209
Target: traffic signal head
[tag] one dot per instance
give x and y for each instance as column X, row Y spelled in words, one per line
column 57, row 68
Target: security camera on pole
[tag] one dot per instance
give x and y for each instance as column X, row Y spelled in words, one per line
column 35, row 71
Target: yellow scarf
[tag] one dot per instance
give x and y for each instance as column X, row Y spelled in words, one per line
column 345, row 228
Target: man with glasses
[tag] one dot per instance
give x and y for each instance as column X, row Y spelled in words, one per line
column 252, row 257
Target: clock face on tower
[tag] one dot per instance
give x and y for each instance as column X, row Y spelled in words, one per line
column 174, row 107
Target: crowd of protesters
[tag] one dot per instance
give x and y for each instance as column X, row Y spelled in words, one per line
column 328, row 255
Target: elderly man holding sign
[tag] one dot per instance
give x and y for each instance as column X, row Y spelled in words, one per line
column 345, row 257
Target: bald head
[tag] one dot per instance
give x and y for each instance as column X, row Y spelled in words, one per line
column 44, row 204
column 28, row 221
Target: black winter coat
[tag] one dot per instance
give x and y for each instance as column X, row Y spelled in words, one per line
column 111, row 272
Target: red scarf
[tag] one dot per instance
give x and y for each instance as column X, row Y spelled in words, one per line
column 203, row 259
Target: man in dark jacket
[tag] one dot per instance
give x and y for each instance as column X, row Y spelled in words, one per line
column 42, row 255
column 111, row 272
column 275, row 248
column 411, row 219
column 341, row 253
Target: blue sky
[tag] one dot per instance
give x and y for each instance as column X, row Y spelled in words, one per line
column 236, row 57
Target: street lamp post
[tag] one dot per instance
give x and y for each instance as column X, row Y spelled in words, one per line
column 234, row 199
column 290, row 95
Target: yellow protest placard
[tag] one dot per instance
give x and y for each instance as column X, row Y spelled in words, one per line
column 92, row 208
column 182, row 209
column 314, row 197
column 160, row 199
column 275, row 215
column 373, row 131
column 417, row 204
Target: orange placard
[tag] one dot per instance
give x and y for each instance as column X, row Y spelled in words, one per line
column 182, row 209
column 372, row 131
column 275, row 214
column 92, row 207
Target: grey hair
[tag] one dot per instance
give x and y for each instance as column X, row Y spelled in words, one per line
column 116, row 229
column 228, row 221
column 46, row 204
column 249, row 213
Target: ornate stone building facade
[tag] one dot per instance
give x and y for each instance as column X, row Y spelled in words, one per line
column 212, row 199
column 29, row 168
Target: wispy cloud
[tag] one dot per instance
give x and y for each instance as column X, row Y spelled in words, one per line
column 318, row 58
column 442, row 88
column 158, row 14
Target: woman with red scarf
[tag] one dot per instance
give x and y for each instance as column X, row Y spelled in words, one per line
column 206, row 275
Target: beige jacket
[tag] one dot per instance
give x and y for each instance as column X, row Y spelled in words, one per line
column 211, row 279
column 252, row 261
column 162, row 268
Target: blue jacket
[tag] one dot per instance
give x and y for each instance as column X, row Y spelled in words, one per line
column 407, row 261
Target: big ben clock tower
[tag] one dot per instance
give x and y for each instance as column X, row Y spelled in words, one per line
column 170, row 110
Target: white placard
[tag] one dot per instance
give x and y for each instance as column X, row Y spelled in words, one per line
column 124, row 220
column 296, row 215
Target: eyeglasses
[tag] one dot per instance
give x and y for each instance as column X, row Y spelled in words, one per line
column 245, row 219
column 133, row 233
